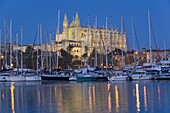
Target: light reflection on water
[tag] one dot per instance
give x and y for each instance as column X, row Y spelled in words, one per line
column 145, row 98
column 85, row 97
column 12, row 98
column 117, row 98
column 137, row 98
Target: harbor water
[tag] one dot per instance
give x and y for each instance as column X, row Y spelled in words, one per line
column 85, row 97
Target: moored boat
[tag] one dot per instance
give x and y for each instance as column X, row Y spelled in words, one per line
column 32, row 78
column 86, row 78
column 73, row 78
column 118, row 78
column 142, row 74
column 15, row 78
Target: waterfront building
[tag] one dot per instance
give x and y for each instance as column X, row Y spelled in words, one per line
column 144, row 55
column 80, row 38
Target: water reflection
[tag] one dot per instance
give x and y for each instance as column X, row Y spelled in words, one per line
column 159, row 95
column 12, row 97
column 117, row 99
column 109, row 99
column 88, row 97
column 137, row 98
column 145, row 98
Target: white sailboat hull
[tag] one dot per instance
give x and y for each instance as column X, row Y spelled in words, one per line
column 33, row 78
column 117, row 78
column 73, row 78
column 15, row 78
column 140, row 77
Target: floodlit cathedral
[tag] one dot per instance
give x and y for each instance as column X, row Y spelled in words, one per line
column 83, row 39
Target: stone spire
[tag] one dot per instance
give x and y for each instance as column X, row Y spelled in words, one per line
column 72, row 23
column 65, row 22
column 77, row 20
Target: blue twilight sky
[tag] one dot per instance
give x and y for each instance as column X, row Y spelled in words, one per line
column 31, row 12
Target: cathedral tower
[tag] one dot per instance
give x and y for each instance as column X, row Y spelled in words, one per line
column 77, row 20
column 65, row 27
column 65, row 22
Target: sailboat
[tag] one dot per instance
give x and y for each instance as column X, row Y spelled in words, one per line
column 149, row 73
column 86, row 73
column 61, row 75
column 30, row 74
column 14, row 76
column 119, row 75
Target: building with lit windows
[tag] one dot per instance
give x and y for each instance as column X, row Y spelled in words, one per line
column 88, row 37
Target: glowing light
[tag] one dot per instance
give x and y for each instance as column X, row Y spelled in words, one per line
column 117, row 98
column 137, row 98
column 109, row 99
column 94, row 97
column 12, row 88
column 108, row 87
column 2, row 56
column 145, row 98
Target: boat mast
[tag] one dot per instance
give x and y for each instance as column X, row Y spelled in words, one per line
column 17, row 50
column 150, row 43
column 5, row 35
column 122, row 40
column 111, row 41
column 50, row 53
column 87, row 55
column 46, row 49
column 21, row 48
column 102, row 49
column 133, row 38
column 58, row 26
column 11, row 42
column 37, row 46
column 95, row 42
column 40, row 31
column 164, row 50
column 106, row 46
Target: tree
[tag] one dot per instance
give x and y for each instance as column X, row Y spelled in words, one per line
column 69, row 48
column 66, row 59
column 28, row 56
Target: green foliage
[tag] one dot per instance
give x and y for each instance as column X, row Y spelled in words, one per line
column 66, row 59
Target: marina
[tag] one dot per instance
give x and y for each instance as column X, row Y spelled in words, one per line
column 89, row 97
column 84, row 56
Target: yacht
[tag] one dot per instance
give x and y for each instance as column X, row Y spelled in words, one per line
column 120, row 75
column 31, row 76
column 143, row 74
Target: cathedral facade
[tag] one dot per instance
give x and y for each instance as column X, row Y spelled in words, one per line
column 85, row 39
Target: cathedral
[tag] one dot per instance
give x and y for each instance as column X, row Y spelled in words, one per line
column 85, row 39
